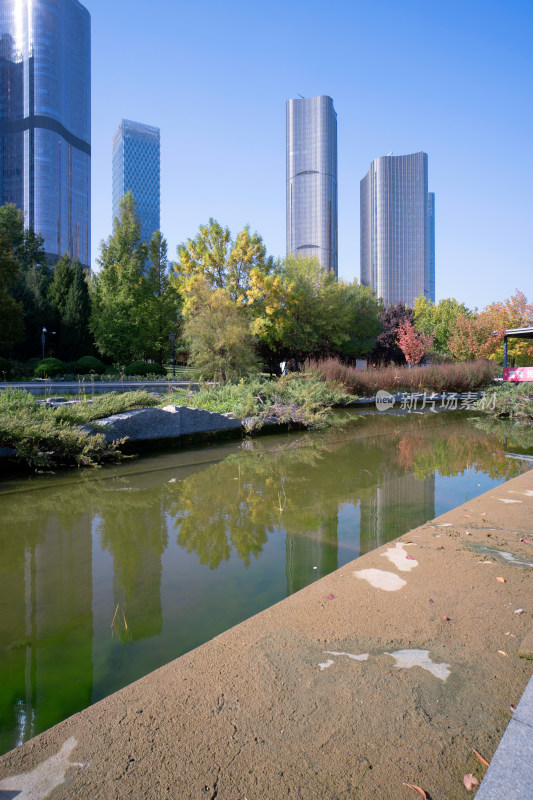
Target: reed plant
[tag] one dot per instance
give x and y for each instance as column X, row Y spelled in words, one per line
column 465, row 377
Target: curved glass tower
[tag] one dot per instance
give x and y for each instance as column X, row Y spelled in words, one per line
column 312, row 179
column 45, row 120
column 398, row 229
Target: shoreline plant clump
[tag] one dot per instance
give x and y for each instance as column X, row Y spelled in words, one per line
column 467, row 377
column 46, row 437
column 300, row 398
column 509, row 401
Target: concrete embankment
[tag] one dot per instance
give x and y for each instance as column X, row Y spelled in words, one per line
column 390, row 671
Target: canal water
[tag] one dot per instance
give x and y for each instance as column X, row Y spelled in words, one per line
column 107, row 574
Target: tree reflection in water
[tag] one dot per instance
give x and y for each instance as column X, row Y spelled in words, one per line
column 314, row 501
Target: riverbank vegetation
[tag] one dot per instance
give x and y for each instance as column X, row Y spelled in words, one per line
column 467, row 377
column 44, row 437
column 304, row 399
column 224, row 307
column 510, row 401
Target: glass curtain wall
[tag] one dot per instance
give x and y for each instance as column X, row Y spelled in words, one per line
column 45, row 120
column 136, row 169
column 312, row 179
column 398, row 229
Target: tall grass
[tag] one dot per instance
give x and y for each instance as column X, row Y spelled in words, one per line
column 45, row 437
column 305, row 399
column 510, row 401
column 466, row 377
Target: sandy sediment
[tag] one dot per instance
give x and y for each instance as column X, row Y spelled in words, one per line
column 390, row 671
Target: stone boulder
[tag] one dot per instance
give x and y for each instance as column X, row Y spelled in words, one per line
column 162, row 423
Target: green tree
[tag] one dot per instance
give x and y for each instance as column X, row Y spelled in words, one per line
column 301, row 310
column 120, row 291
column 361, row 318
column 219, row 260
column 163, row 306
column 292, row 305
column 438, row 320
column 218, row 332
column 11, row 310
column 69, row 298
column 33, row 278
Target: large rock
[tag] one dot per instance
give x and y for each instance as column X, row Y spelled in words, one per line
column 162, row 423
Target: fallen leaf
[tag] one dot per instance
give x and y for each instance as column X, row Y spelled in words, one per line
column 467, row 515
column 467, row 533
column 440, row 547
column 525, row 541
column 411, row 558
column 487, row 562
column 446, row 619
column 478, row 755
column 503, row 653
column 470, row 781
column 519, row 611
column 500, row 580
column 331, row 597
column 431, row 601
column 420, row 791
column 513, row 708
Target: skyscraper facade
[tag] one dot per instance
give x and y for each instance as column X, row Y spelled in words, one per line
column 398, row 229
column 45, row 120
column 312, row 179
column 136, row 169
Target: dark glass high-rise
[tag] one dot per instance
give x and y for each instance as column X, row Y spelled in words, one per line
column 45, row 121
column 136, row 169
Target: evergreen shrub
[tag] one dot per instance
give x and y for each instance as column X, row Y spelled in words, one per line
column 143, row 368
column 88, row 364
column 49, row 368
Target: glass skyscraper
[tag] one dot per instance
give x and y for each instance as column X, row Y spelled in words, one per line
column 398, row 229
column 136, row 169
column 312, row 179
column 45, row 120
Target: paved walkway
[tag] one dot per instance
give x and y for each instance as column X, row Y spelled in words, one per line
column 98, row 387
column 390, row 673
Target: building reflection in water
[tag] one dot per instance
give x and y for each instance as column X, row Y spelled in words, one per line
column 399, row 503
column 46, row 623
column 313, row 553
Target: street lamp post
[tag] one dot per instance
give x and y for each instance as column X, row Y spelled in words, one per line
column 172, row 337
column 43, row 338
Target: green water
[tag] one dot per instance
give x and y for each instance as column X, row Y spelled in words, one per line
column 106, row 575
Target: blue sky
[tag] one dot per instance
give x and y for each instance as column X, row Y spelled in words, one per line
column 451, row 78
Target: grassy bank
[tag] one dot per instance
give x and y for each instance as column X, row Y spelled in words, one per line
column 44, row 437
column 509, row 401
column 468, row 377
column 300, row 398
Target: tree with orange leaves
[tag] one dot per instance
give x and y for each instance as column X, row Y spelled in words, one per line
column 515, row 312
column 413, row 345
column 474, row 337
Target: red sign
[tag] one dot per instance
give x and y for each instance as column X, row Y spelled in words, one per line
column 518, row 374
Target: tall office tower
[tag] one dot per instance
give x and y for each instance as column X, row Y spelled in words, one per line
column 312, row 179
column 136, row 169
column 431, row 244
column 45, row 120
column 398, row 229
